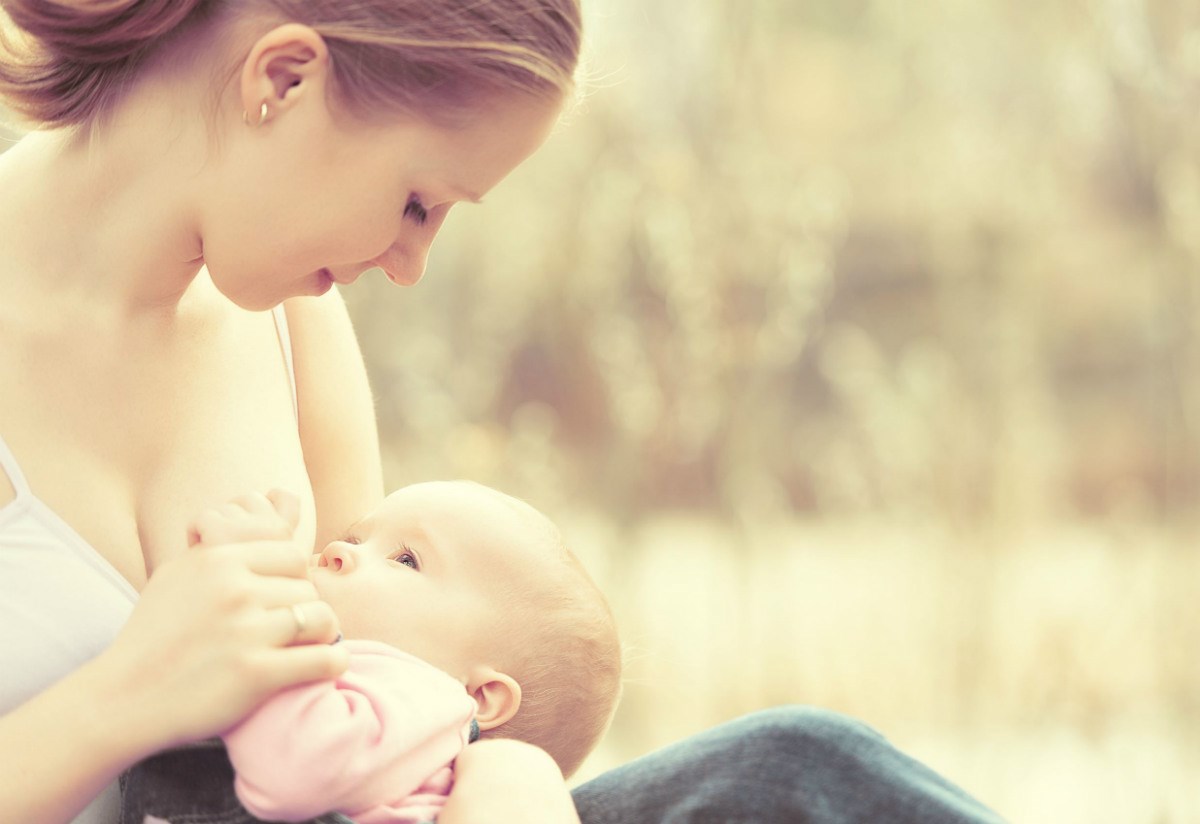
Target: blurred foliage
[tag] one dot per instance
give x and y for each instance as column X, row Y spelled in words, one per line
column 832, row 258
column 854, row 342
column 859, row 340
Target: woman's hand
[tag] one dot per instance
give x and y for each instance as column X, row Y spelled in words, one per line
column 501, row 779
column 216, row 631
column 222, row 627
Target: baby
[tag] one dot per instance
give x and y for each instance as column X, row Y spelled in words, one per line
column 462, row 611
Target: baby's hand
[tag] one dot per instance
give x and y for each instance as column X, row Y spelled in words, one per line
column 254, row 517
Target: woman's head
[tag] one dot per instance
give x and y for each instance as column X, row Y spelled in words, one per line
column 327, row 137
column 71, row 60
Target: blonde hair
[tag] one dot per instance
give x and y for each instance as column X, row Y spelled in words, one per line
column 566, row 656
column 560, row 644
column 77, row 57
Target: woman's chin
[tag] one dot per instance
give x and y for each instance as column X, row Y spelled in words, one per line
column 257, row 294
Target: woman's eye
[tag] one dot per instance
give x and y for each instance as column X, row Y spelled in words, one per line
column 415, row 210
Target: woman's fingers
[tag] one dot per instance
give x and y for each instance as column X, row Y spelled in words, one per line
column 217, row 631
column 309, row 622
column 280, row 558
column 279, row 585
column 289, row 666
column 283, row 592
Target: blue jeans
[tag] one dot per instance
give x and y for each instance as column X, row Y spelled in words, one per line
column 798, row 765
column 791, row 765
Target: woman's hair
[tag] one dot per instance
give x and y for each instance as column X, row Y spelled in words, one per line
column 65, row 62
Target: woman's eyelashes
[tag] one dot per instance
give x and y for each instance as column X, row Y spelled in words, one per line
column 413, row 209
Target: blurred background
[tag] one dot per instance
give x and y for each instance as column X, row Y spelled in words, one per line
column 854, row 345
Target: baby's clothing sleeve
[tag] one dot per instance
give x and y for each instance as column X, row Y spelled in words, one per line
column 377, row 743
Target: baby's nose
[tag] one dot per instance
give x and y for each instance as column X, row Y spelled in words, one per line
column 339, row 556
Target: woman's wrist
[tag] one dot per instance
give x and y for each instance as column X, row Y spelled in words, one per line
column 115, row 715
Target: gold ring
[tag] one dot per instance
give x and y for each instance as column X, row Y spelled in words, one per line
column 301, row 624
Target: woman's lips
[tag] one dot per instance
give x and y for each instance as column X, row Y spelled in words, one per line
column 408, row 279
column 324, row 281
column 344, row 280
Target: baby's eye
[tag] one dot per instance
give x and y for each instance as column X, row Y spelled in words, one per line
column 405, row 557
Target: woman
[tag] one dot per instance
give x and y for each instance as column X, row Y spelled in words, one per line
column 213, row 159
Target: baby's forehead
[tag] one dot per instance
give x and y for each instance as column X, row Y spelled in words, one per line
column 466, row 503
column 455, row 495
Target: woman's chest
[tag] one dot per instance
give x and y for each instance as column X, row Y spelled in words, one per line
column 127, row 442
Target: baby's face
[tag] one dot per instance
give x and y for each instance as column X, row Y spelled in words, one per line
column 428, row 570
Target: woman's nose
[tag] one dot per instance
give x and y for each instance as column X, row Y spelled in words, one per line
column 339, row 556
column 404, row 262
column 404, row 265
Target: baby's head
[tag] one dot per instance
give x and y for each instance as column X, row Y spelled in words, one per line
column 480, row 585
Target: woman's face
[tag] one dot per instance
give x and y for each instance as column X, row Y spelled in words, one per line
column 306, row 199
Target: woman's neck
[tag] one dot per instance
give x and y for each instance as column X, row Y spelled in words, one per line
column 106, row 218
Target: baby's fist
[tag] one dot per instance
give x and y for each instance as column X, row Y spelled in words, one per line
column 253, row 517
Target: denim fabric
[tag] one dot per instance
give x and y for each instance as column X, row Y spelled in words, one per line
column 189, row 785
column 193, row 784
column 790, row 765
column 793, row 765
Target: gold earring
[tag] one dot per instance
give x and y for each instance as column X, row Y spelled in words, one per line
column 262, row 116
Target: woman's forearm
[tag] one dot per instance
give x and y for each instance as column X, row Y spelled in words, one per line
column 201, row 649
column 504, row 780
column 60, row 749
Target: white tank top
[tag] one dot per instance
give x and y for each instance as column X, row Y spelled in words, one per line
column 61, row 602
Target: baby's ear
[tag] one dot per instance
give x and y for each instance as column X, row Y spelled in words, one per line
column 498, row 696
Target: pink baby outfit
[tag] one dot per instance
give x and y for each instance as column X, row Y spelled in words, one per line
column 377, row 744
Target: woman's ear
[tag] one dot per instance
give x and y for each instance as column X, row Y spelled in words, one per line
column 498, row 696
column 281, row 67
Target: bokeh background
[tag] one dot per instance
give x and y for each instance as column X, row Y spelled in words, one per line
column 854, row 345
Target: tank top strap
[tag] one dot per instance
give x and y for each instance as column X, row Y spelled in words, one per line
column 8, row 466
column 285, row 344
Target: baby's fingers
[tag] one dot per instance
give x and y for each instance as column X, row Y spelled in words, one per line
column 253, row 503
column 287, row 505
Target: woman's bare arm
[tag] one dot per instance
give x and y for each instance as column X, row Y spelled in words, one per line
column 337, row 415
column 204, row 645
column 61, row 748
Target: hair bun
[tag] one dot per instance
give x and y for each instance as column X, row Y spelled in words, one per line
column 97, row 32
